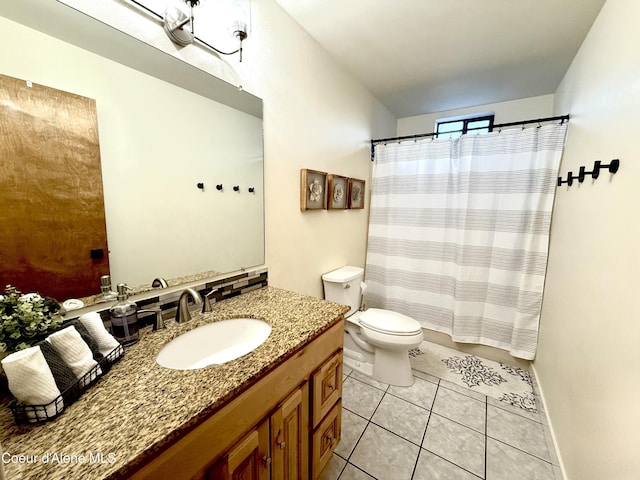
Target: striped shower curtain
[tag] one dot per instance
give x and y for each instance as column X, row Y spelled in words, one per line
column 459, row 230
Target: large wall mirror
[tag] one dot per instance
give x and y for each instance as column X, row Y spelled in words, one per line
column 170, row 134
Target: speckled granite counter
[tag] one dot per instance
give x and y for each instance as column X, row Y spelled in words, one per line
column 139, row 407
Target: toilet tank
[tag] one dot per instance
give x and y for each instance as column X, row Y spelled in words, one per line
column 343, row 286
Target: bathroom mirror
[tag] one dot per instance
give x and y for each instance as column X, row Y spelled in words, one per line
column 170, row 133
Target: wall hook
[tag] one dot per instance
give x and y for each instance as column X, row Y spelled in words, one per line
column 219, row 187
column 236, row 188
column 568, row 181
column 595, row 173
column 200, row 185
column 597, row 166
column 251, row 189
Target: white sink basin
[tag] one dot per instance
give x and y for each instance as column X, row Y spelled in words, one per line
column 214, row 343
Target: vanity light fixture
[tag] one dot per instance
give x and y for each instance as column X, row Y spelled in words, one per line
column 180, row 28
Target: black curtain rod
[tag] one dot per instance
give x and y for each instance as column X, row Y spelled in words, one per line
column 562, row 118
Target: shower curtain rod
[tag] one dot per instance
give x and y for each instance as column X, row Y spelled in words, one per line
column 562, row 118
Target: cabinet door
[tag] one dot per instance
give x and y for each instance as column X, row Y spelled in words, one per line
column 247, row 460
column 289, row 437
column 327, row 387
column 325, row 439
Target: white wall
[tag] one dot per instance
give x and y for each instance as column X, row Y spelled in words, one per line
column 511, row 111
column 588, row 361
column 318, row 117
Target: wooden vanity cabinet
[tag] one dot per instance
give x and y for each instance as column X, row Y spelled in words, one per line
column 326, row 412
column 283, row 427
column 290, row 438
column 275, row 449
column 247, row 460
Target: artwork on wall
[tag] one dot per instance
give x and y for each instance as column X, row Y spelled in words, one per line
column 313, row 186
column 356, row 193
column 321, row 190
column 337, row 192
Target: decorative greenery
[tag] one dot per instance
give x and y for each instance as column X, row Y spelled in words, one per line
column 26, row 319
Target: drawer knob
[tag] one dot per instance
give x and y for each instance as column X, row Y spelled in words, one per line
column 281, row 445
column 266, row 460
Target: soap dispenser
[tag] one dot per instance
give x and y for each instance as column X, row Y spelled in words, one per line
column 105, row 289
column 124, row 318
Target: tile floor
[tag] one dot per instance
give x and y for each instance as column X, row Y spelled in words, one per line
column 436, row 430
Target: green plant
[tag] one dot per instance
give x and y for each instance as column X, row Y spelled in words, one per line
column 26, row 319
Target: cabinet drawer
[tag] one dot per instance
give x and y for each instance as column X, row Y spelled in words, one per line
column 327, row 387
column 326, row 438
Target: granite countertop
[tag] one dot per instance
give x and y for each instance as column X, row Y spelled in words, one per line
column 139, row 407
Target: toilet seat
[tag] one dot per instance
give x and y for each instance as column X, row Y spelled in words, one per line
column 388, row 322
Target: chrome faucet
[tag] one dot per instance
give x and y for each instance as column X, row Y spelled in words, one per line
column 159, row 282
column 182, row 312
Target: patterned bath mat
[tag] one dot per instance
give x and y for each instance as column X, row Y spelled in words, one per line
column 508, row 384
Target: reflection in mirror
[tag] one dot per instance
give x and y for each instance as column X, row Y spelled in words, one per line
column 164, row 128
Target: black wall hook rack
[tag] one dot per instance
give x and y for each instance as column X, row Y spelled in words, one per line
column 219, row 187
column 613, row 167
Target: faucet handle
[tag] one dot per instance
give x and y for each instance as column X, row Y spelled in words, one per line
column 158, row 323
column 206, row 307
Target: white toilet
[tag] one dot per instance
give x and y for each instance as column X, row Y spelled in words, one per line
column 376, row 341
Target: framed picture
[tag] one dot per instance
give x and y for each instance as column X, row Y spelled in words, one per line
column 313, row 190
column 356, row 193
column 338, row 192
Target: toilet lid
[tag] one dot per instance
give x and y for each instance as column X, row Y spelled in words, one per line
column 391, row 323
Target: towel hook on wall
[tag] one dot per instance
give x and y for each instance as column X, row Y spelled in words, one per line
column 613, row 167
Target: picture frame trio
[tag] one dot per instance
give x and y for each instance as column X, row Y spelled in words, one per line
column 325, row 191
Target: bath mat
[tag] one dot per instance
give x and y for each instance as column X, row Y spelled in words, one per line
column 508, row 384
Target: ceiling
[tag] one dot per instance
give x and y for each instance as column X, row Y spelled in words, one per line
column 423, row 56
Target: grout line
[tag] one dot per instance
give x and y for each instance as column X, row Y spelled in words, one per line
column 343, row 467
column 429, row 409
column 431, row 412
column 366, row 426
column 516, row 411
column 424, row 434
column 452, row 463
column 458, row 423
column 521, row 450
column 486, row 433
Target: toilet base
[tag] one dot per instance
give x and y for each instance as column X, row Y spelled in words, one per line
column 364, row 368
column 387, row 367
column 393, row 367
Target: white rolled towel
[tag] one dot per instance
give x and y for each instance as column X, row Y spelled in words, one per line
column 74, row 352
column 31, row 381
column 94, row 325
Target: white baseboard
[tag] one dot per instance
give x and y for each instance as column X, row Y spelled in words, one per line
column 540, row 394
